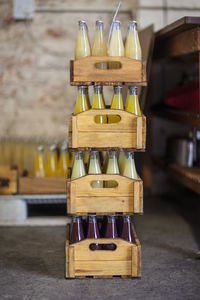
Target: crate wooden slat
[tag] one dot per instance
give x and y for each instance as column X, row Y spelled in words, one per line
column 8, row 181
column 82, row 198
column 129, row 132
column 44, row 185
column 84, row 71
column 124, row 261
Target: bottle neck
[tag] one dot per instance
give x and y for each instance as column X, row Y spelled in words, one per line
column 82, row 90
column 99, row 25
column 118, row 90
column 98, row 90
column 78, row 156
column 127, row 219
column 83, row 26
column 132, row 26
column 116, row 25
column 132, row 91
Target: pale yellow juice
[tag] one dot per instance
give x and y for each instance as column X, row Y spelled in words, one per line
column 116, row 45
column 51, row 169
column 112, row 168
column 82, row 48
column 117, row 103
column 94, row 168
column 78, row 169
column 63, row 163
column 132, row 102
column 98, row 103
column 121, row 160
column 82, row 100
column 99, row 47
column 39, row 163
column 132, row 45
column 129, row 166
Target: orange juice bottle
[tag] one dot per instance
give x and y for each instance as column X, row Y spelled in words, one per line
column 132, row 45
column 81, row 100
column 94, row 168
column 99, row 47
column 78, row 169
column 82, row 48
column 116, row 45
column 98, row 103
column 63, row 162
column 52, row 162
column 132, row 101
column 39, row 163
column 112, row 168
column 117, row 103
column 129, row 169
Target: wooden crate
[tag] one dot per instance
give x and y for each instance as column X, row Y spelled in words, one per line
column 129, row 132
column 8, row 181
column 85, row 71
column 126, row 198
column 124, row 261
column 46, row 185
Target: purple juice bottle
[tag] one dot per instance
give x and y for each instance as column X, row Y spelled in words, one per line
column 127, row 230
column 119, row 223
column 93, row 231
column 104, row 225
column 77, row 233
column 111, row 232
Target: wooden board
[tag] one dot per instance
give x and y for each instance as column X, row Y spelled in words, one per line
column 8, row 181
column 126, row 197
column 124, row 261
column 46, row 185
column 84, row 71
column 129, row 132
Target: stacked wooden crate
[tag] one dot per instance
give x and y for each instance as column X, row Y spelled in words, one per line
column 127, row 197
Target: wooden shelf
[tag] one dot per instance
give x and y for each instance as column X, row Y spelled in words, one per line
column 185, row 117
column 189, row 177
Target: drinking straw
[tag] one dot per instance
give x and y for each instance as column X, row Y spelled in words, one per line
column 114, row 18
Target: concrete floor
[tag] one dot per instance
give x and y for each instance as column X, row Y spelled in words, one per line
column 32, row 259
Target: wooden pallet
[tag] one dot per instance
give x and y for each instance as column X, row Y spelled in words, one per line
column 8, row 181
column 129, row 132
column 126, row 197
column 82, row 262
column 85, row 71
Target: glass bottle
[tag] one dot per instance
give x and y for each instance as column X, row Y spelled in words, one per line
column 121, row 160
column 119, row 223
column 78, row 169
column 81, row 100
column 77, row 233
column 99, row 47
column 132, row 101
column 63, row 162
column 93, row 231
column 82, row 48
column 111, row 232
column 129, row 166
column 86, row 157
column 104, row 225
column 94, row 168
column 132, row 45
column 98, row 103
column 117, row 103
column 52, row 162
column 71, row 158
column 39, row 164
column 112, row 168
column 127, row 230
column 116, row 45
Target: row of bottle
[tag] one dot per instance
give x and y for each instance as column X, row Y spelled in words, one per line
column 83, row 102
column 110, row 226
column 132, row 48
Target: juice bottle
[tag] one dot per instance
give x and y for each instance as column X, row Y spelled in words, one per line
column 87, row 96
column 132, row 101
column 39, row 164
column 98, row 103
column 82, row 48
column 104, row 225
column 63, row 162
column 86, row 156
column 129, row 166
column 111, row 232
column 78, row 169
column 132, row 45
column 94, row 168
column 121, row 160
column 77, row 234
column 117, row 103
column 127, row 230
column 116, row 46
column 99, row 47
column 93, row 231
column 71, row 158
column 112, row 168
column 81, row 100
column 119, row 223
column 51, row 169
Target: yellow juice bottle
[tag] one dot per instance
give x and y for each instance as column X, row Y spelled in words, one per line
column 81, row 100
column 94, row 168
column 99, row 47
column 71, row 158
column 132, row 45
column 63, row 162
column 121, row 160
column 98, row 103
column 52, row 162
column 39, row 163
column 132, row 101
column 82, row 48
column 78, row 169
column 129, row 166
column 112, row 168
column 117, row 103
column 116, row 45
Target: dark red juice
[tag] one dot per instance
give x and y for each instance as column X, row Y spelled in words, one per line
column 119, row 223
column 111, row 232
column 77, row 234
column 104, row 225
column 93, row 231
column 127, row 230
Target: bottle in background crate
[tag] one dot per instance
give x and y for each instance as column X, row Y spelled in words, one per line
column 63, row 163
column 117, row 103
column 99, row 47
column 127, row 230
column 52, row 162
column 82, row 48
column 129, row 169
column 111, row 232
column 39, row 163
column 132, row 101
column 77, row 233
column 98, row 103
column 82, row 100
column 116, row 45
column 121, row 160
column 78, row 169
column 112, row 168
column 132, row 45
column 93, row 231
column 94, row 168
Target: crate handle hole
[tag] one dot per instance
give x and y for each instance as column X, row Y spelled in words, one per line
column 102, row 119
column 4, row 182
column 113, row 65
column 109, row 247
column 103, row 184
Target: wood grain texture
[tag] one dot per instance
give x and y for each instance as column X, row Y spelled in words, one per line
column 8, row 181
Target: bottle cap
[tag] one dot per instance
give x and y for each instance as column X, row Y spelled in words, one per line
column 52, row 148
column 64, row 147
column 40, row 148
